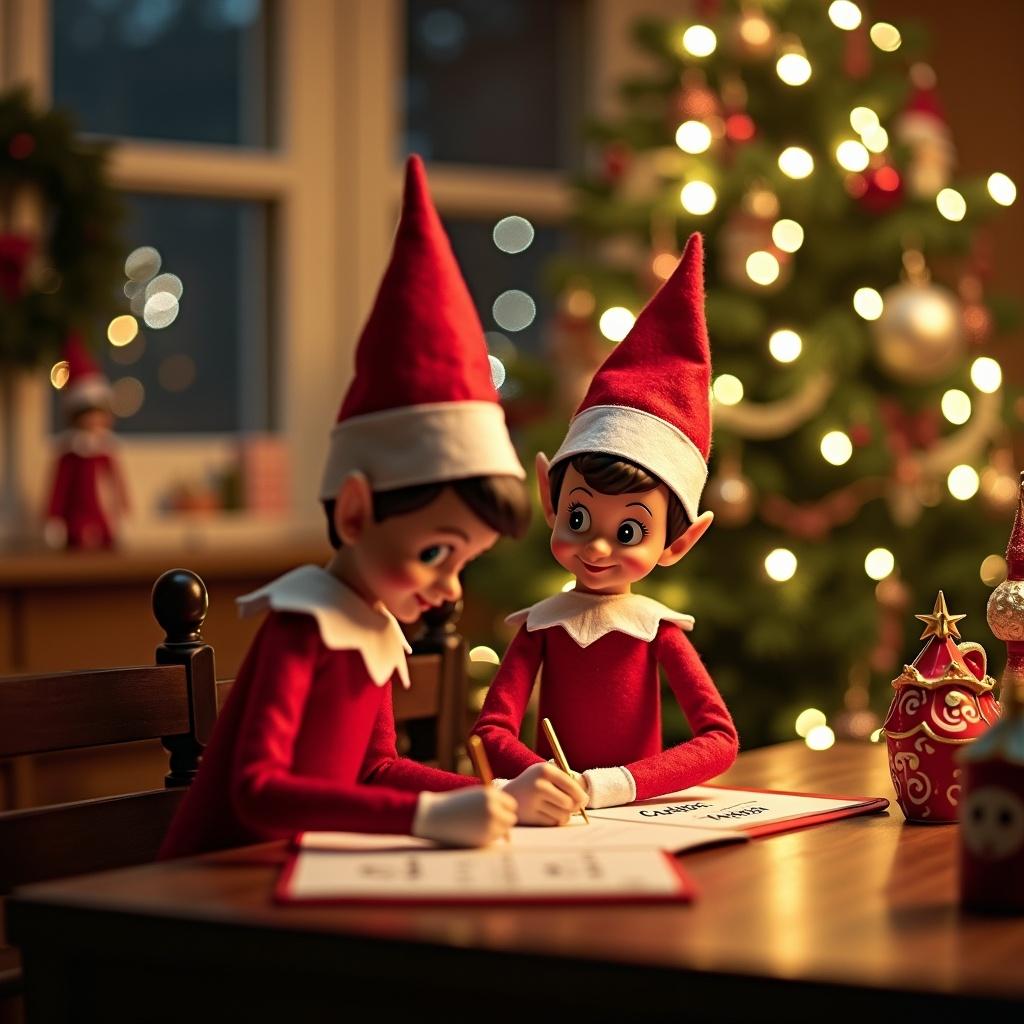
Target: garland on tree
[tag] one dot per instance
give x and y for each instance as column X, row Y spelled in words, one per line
column 60, row 253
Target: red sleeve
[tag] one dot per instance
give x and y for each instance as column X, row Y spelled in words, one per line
column 502, row 715
column 59, row 493
column 118, row 484
column 714, row 745
column 383, row 766
column 267, row 796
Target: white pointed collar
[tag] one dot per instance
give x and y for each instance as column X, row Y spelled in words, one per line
column 86, row 442
column 587, row 617
column 346, row 622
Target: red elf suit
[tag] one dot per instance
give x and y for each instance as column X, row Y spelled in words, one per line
column 88, row 494
column 598, row 654
column 307, row 739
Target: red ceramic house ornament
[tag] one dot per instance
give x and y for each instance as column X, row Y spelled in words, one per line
column 992, row 816
column 943, row 701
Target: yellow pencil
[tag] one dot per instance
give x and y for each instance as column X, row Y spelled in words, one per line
column 478, row 755
column 556, row 749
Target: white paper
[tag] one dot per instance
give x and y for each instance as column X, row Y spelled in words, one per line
column 706, row 807
column 499, row 872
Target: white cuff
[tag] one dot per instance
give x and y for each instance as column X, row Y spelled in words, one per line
column 500, row 783
column 609, row 787
column 423, row 804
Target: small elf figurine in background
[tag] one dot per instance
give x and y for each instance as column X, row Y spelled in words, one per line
column 421, row 478
column 621, row 497
column 88, row 497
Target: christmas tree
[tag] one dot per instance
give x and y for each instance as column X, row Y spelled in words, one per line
column 861, row 453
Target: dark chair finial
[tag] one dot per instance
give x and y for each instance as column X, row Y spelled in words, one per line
column 180, row 602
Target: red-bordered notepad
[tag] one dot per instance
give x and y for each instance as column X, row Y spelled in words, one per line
column 678, row 886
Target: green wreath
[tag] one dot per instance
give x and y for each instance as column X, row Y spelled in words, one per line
column 61, row 265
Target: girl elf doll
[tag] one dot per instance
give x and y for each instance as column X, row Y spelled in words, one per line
column 621, row 497
column 421, row 478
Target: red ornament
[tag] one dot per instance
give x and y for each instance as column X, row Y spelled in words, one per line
column 22, row 145
column 943, row 701
column 740, row 127
column 860, row 434
column 880, row 189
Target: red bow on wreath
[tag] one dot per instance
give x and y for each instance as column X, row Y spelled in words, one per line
column 15, row 251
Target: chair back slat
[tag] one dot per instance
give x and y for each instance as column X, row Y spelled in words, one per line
column 423, row 697
column 91, row 709
column 89, row 835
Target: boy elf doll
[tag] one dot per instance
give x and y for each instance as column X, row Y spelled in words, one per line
column 621, row 497
column 421, row 477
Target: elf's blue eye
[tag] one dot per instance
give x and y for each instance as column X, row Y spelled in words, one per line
column 579, row 519
column 630, row 532
column 435, row 554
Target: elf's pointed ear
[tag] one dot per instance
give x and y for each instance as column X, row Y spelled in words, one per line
column 686, row 540
column 544, row 487
column 353, row 507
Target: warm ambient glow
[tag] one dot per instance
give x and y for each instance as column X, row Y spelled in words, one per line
column 956, row 406
column 698, row 198
column 487, row 655
column 1002, row 189
column 821, row 737
column 727, row 389
column 663, row 264
column 885, row 36
column 122, row 330
column 785, row 345
column 793, row 68
column 867, row 302
column 787, row 235
column 699, row 41
column 963, row 482
column 755, row 30
column 693, row 136
column 863, row 120
column 808, row 719
column 951, row 204
column 568, row 585
column 616, row 323
column 852, row 155
column 762, row 267
column 879, row 563
column 59, row 374
column 986, row 375
column 993, row 570
column 876, row 139
column 796, row 162
column 780, row 564
column 844, row 15
column 836, row 448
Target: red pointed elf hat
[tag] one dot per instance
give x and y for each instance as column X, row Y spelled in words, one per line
column 87, row 386
column 422, row 407
column 648, row 401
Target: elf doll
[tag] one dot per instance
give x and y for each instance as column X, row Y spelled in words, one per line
column 421, row 477
column 88, row 497
column 621, row 497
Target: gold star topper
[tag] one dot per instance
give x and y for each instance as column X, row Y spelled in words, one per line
column 940, row 623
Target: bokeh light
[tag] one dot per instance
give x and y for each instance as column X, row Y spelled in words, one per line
column 699, row 41
column 986, row 375
column 1001, row 188
column 142, row 263
column 780, row 565
column 698, row 198
column 844, row 14
column 513, row 234
column 821, row 737
column 727, row 389
column 177, row 372
column 808, row 719
column 885, row 36
column 787, row 235
column 160, row 310
column 956, row 406
column 127, row 397
column 963, row 482
column 852, row 155
column 867, row 302
column 59, row 374
column 514, row 310
column 863, row 120
column 122, row 330
column 482, row 653
column 879, row 563
column 762, row 267
column 793, row 68
column 498, row 373
column 693, row 137
column 616, row 323
column 993, row 570
column 796, row 162
column 836, row 448
column 951, row 204
column 785, row 345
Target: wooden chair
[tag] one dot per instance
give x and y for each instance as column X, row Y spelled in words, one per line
column 174, row 700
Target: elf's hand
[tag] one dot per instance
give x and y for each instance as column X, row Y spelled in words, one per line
column 464, row 817
column 609, row 787
column 546, row 795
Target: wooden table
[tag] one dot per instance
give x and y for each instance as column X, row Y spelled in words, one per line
column 848, row 919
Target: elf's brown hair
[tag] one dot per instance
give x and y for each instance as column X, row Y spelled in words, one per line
column 500, row 502
column 611, row 474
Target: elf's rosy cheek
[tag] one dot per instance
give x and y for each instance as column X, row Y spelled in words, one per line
column 401, row 575
column 635, row 561
column 564, row 547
